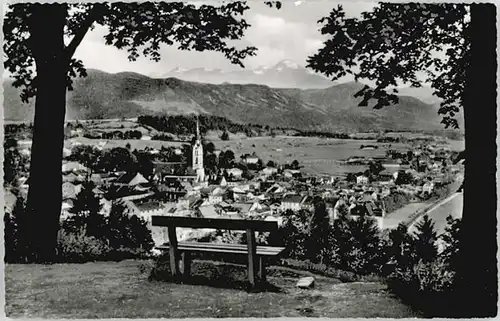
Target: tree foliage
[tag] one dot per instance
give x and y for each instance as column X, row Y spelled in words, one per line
column 11, row 162
column 424, row 278
column 224, row 136
column 318, row 230
column 88, row 155
column 127, row 231
column 186, row 124
column 400, row 248
column 16, row 241
column 138, row 28
column 375, row 168
column 86, row 202
column 86, row 213
column 404, row 178
column 451, row 240
column 425, row 240
column 226, row 159
column 394, row 44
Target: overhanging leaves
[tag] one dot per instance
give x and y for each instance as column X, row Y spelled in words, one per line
column 139, row 28
column 393, row 44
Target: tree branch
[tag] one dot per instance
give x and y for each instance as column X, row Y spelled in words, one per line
column 94, row 13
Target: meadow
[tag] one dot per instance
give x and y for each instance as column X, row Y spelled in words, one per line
column 122, row 290
column 112, row 143
column 316, row 155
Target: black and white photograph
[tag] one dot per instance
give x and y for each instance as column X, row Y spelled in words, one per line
column 249, row 159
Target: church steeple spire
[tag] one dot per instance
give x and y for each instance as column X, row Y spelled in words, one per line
column 198, row 154
column 198, row 136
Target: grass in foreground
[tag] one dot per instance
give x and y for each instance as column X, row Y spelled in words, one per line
column 122, row 290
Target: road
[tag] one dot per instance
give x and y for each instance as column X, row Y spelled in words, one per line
column 403, row 214
column 452, row 205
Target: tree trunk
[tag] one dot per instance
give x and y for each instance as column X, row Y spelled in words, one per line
column 479, row 243
column 45, row 182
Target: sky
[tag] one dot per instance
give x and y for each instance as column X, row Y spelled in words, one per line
column 289, row 33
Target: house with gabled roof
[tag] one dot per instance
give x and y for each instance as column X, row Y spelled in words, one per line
column 235, row 172
column 362, row 180
column 187, row 201
column 131, row 179
column 291, row 202
column 70, row 190
column 307, row 203
column 269, row 171
column 66, row 205
column 145, row 209
column 277, row 219
column 72, row 177
column 242, row 207
column 208, row 211
column 73, row 167
column 275, row 189
column 216, row 196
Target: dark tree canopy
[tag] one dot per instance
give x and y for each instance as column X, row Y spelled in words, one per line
column 425, row 240
column 410, row 43
column 138, row 28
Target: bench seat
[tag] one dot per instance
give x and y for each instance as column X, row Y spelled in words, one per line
column 224, row 248
column 257, row 255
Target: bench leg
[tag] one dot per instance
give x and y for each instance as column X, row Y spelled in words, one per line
column 262, row 269
column 186, row 263
column 174, row 266
column 251, row 257
column 173, row 253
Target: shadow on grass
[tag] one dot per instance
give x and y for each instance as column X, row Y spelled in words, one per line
column 217, row 275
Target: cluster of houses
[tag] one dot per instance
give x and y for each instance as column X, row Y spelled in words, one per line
column 267, row 196
column 270, row 194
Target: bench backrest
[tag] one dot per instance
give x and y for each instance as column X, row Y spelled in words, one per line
column 216, row 223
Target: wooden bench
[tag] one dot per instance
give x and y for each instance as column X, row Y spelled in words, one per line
column 180, row 251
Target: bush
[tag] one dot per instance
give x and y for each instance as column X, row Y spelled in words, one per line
column 17, row 238
column 224, row 136
column 428, row 283
column 78, row 247
column 426, row 287
column 95, row 237
column 351, row 245
column 128, row 233
column 10, row 237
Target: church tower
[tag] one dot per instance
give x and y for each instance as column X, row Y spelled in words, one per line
column 198, row 155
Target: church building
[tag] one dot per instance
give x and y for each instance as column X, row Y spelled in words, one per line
column 198, row 156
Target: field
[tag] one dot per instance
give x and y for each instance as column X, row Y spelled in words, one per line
column 122, row 290
column 112, row 143
column 318, row 156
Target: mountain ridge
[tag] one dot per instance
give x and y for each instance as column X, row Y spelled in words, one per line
column 126, row 94
column 284, row 74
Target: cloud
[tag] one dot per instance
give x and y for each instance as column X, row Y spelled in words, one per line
column 277, row 39
column 289, row 33
column 95, row 54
